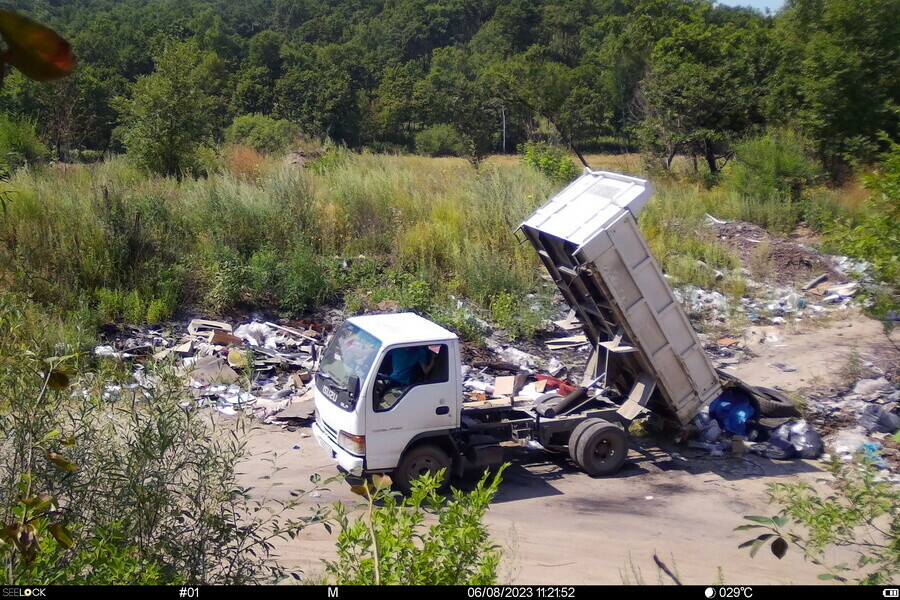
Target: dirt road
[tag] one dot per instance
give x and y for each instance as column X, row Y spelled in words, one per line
column 559, row 526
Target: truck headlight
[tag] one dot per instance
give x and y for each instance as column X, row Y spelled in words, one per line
column 354, row 444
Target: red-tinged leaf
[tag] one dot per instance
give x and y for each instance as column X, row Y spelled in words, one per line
column 34, row 49
column 58, row 380
column 360, row 490
column 61, row 461
column 62, row 535
column 10, row 532
column 41, row 502
column 779, row 547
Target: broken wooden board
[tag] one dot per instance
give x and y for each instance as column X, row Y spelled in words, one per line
column 198, row 326
column 567, row 342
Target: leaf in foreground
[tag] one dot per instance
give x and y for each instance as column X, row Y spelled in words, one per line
column 34, row 49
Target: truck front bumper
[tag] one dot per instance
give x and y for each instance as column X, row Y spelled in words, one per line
column 349, row 462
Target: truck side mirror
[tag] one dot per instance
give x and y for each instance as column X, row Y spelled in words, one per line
column 353, row 387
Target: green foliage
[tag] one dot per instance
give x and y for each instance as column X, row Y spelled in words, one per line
column 835, row 66
column 440, row 140
column 423, row 539
column 260, row 132
column 674, row 78
column 857, row 511
column 549, row 160
column 775, row 165
column 112, row 485
column 19, row 145
column 515, row 316
column 167, row 117
column 875, row 237
column 463, row 322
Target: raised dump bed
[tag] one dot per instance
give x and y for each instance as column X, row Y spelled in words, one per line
column 644, row 346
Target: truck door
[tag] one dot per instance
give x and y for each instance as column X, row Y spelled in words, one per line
column 415, row 391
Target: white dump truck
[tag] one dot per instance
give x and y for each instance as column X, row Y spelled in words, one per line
column 388, row 391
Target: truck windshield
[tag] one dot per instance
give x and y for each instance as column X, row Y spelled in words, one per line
column 350, row 352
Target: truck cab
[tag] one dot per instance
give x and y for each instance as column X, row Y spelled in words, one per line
column 385, row 385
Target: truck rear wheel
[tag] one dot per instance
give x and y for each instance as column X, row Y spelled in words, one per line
column 576, row 435
column 601, row 449
column 418, row 461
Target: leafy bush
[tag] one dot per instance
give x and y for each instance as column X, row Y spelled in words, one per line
column 773, row 165
column 440, row 140
column 515, row 316
column 262, row 133
column 394, row 544
column 111, row 485
column 19, row 144
column 549, row 160
column 876, row 237
column 857, row 511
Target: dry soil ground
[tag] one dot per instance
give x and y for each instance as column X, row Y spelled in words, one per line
column 560, row 526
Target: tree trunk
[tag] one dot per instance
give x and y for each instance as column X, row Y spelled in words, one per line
column 711, row 159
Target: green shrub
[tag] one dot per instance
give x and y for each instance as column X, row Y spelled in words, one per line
column 394, row 545
column 549, row 160
column 514, row 315
column 463, row 322
column 262, row 133
column 145, row 488
column 876, row 237
column 856, row 511
column 19, row 144
column 440, row 140
column 774, row 165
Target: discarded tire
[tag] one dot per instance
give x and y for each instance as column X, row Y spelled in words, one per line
column 601, row 449
column 774, row 404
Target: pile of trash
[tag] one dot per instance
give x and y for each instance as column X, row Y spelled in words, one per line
column 769, row 304
column 257, row 368
column 864, row 419
column 800, row 283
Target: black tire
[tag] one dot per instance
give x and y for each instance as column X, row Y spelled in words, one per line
column 774, row 404
column 576, row 435
column 602, row 449
column 426, row 458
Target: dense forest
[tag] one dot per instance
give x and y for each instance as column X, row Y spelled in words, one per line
column 164, row 79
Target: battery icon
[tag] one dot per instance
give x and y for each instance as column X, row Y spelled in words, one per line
column 891, row 593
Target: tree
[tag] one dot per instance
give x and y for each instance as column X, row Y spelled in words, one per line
column 702, row 89
column 164, row 121
column 838, row 74
column 453, row 93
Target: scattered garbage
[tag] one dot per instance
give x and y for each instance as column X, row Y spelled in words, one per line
column 732, row 411
column 775, row 449
column 804, row 439
column 868, row 387
column 877, row 420
column 846, row 443
column 256, row 368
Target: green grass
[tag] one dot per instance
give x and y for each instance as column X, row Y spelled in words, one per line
column 144, row 248
column 116, row 244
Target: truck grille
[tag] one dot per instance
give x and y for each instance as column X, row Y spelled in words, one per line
column 331, row 433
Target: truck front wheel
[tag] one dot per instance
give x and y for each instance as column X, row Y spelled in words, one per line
column 601, row 449
column 418, row 461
